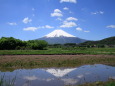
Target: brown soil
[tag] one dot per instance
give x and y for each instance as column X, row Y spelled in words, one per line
column 55, row 60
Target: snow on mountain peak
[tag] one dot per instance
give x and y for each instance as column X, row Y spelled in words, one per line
column 59, row 33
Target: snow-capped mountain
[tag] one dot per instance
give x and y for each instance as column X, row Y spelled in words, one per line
column 61, row 37
column 59, row 33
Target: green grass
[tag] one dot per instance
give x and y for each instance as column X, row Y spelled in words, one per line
column 100, row 83
column 50, row 51
column 9, row 82
column 110, row 82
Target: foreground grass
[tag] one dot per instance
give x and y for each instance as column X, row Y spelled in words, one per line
column 54, row 51
column 35, row 61
column 100, row 83
column 4, row 82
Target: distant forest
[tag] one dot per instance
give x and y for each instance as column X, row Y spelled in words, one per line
column 107, row 42
column 10, row 43
column 104, row 43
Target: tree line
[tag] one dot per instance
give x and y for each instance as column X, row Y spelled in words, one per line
column 107, row 42
column 10, row 43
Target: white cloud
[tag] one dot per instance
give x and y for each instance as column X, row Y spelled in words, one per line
column 101, row 12
column 111, row 26
column 70, row 1
column 57, row 13
column 12, row 23
column 59, row 19
column 80, row 76
column 79, row 29
column 71, row 18
column 65, row 8
column 46, row 26
column 30, row 28
column 86, row 31
column 67, row 24
column 31, row 78
column 94, row 13
column 97, row 12
column 70, row 81
column 26, row 20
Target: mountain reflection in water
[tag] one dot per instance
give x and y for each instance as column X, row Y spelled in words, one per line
column 60, row 76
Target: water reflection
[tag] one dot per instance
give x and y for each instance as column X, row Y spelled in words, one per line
column 61, row 76
column 60, row 72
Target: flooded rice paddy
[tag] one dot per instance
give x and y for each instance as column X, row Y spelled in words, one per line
column 59, row 76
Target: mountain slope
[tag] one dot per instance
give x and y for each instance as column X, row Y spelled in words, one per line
column 61, row 37
column 106, row 41
column 62, row 40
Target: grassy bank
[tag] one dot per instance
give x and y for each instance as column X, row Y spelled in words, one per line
column 35, row 61
column 9, row 82
column 50, row 51
column 100, row 83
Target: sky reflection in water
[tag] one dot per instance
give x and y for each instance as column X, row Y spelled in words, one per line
column 60, row 76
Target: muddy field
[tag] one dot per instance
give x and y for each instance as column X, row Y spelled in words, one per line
column 35, row 61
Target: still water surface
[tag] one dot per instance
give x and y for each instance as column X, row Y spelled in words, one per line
column 60, row 76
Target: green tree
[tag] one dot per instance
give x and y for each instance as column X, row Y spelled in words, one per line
column 37, row 44
column 10, row 43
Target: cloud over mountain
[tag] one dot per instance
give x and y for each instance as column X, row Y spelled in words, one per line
column 67, row 24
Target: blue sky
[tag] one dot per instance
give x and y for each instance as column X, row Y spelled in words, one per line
column 31, row 19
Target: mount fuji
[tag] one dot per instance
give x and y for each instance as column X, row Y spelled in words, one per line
column 61, row 37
